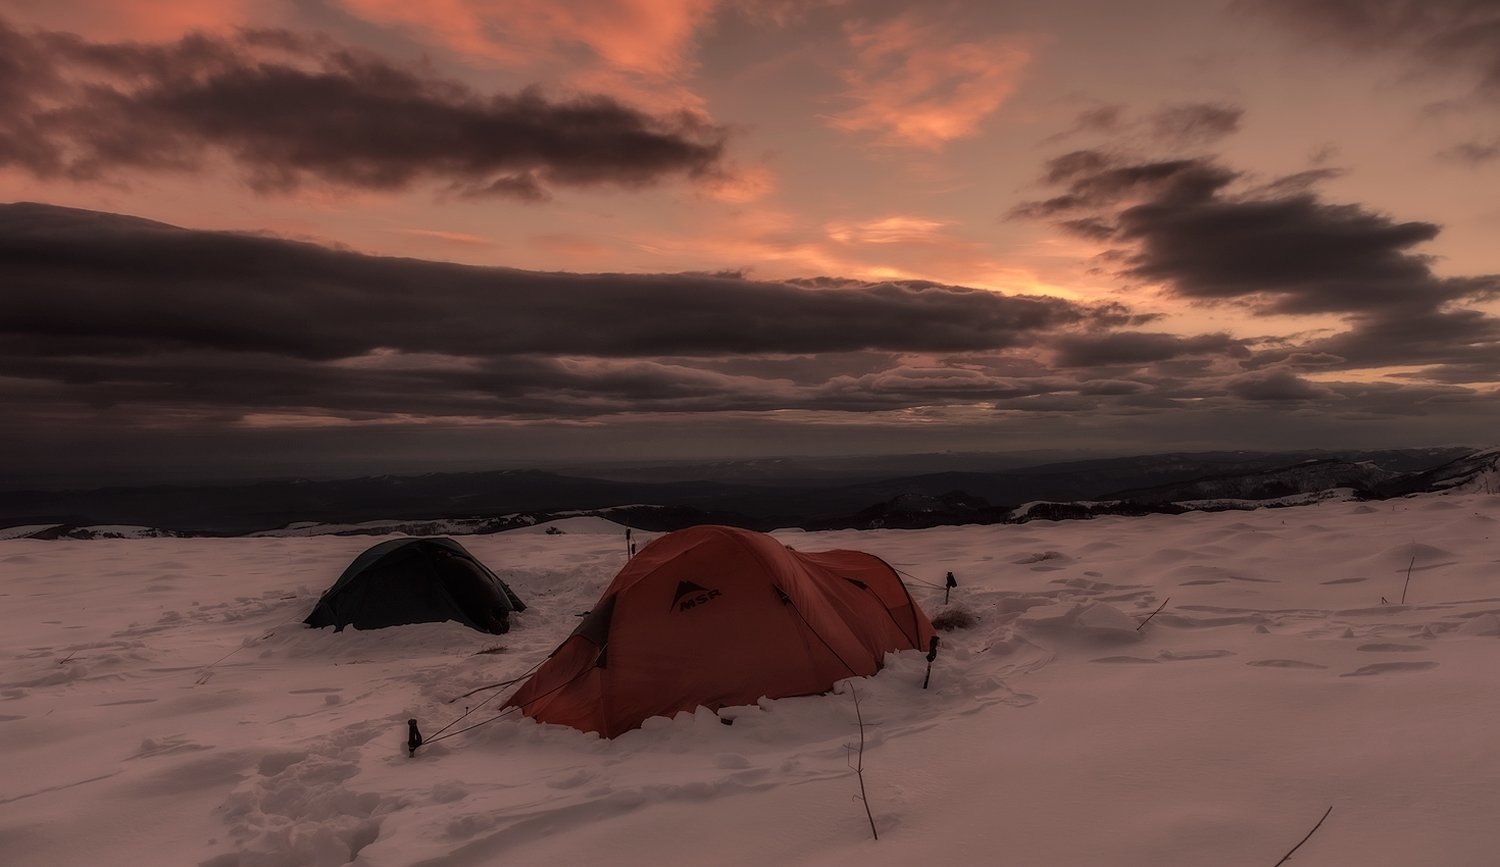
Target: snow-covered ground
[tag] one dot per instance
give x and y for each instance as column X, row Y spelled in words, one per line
column 160, row 703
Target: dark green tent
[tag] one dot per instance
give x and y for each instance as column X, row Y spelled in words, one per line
column 416, row 581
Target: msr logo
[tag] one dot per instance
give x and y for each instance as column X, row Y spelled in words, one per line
column 690, row 595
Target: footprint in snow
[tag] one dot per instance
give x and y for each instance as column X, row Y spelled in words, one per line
column 1169, row 656
column 1283, row 663
column 1391, row 648
column 1386, row 667
column 169, row 744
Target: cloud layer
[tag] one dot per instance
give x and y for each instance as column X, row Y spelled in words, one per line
column 115, row 309
column 288, row 110
column 129, row 336
column 114, row 320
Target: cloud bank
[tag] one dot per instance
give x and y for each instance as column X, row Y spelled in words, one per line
column 116, row 309
column 289, row 110
column 143, row 333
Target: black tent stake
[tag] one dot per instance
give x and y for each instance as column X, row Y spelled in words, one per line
column 932, row 644
column 948, row 587
column 413, row 738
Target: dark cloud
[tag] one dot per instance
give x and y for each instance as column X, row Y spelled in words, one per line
column 116, row 333
column 1277, row 385
column 1473, row 152
column 1196, row 228
column 1106, row 118
column 1453, row 40
column 1179, row 125
column 1136, row 348
column 926, row 385
column 288, row 110
column 1195, row 123
column 118, row 311
column 1458, row 35
column 139, row 286
column 1304, row 360
column 1439, row 340
column 1487, row 371
column 1094, row 180
column 1093, row 228
column 1296, row 183
column 1103, row 118
column 1112, row 387
column 1291, row 255
column 1279, row 246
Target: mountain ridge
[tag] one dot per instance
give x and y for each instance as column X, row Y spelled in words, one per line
column 502, row 499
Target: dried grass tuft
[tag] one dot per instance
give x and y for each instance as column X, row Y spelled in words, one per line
column 955, row 617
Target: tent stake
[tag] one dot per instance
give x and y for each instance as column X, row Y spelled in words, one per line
column 413, row 738
column 931, row 655
column 948, row 587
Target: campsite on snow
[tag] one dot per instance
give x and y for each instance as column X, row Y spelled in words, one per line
column 1165, row 689
column 749, row 433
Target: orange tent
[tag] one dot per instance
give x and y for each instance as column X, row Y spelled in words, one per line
column 717, row 616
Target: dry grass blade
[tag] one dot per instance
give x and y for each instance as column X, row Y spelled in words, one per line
column 1287, row 857
column 953, row 618
column 1153, row 614
column 859, row 763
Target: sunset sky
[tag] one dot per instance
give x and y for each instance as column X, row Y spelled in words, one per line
column 331, row 237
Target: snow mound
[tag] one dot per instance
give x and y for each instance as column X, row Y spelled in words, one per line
column 583, row 524
column 1095, row 620
column 24, row 530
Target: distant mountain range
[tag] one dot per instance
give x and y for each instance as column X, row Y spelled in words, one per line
column 783, row 494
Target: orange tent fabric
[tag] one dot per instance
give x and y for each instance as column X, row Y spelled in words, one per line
column 717, row 616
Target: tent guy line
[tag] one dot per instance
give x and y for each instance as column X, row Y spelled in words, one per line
column 502, row 714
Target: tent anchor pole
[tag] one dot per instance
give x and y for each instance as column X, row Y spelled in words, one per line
column 413, row 738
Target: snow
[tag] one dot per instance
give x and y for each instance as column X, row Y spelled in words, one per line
column 161, row 703
column 123, row 531
column 429, row 527
column 591, row 524
column 18, row 532
column 1023, row 511
column 1303, row 499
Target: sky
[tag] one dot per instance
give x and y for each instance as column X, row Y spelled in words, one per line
column 337, row 237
